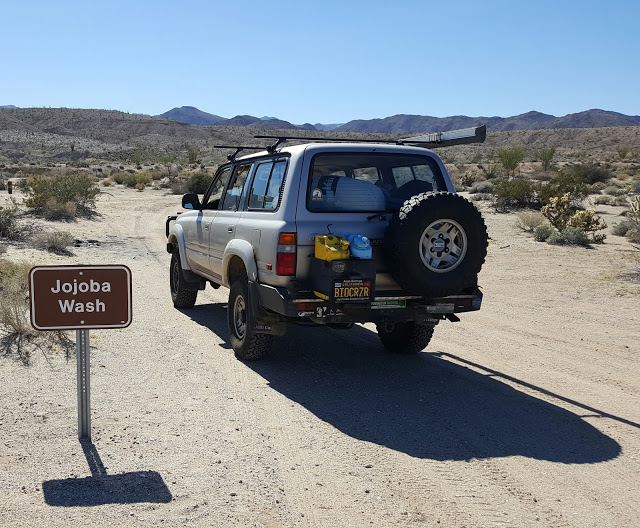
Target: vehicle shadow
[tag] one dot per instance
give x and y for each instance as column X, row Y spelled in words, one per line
column 100, row 488
column 423, row 405
column 212, row 316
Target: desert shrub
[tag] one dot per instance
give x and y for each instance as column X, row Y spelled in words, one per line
column 3, row 185
column 516, row 194
column 564, row 184
column 14, row 290
column 107, row 183
column 622, row 228
column 510, row 157
column 543, row 232
column 604, row 200
column 528, row 221
column 634, row 212
column 558, row 211
column 133, row 180
column 198, row 183
column 54, row 241
column 140, row 186
column 118, row 177
column 482, row 187
column 570, row 236
column 9, row 227
column 545, row 155
column 590, row 223
column 623, row 151
column 490, row 171
column 635, row 186
column 64, row 194
column 482, row 197
column 620, row 200
column 611, row 190
column 633, row 235
column 589, row 173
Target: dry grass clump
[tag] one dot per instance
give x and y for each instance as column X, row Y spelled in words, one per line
column 54, row 241
column 17, row 336
column 10, row 226
column 528, row 221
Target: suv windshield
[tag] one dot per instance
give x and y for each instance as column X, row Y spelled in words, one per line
column 370, row 182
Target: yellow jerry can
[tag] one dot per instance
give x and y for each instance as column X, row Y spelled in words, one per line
column 331, row 247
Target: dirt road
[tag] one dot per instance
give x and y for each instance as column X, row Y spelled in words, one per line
column 526, row 413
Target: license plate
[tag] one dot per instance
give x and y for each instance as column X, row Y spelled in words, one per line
column 352, row 290
column 383, row 305
column 441, row 308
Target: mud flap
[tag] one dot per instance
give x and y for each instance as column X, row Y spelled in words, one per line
column 263, row 322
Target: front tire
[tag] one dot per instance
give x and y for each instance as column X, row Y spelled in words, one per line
column 405, row 338
column 181, row 296
column 247, row 345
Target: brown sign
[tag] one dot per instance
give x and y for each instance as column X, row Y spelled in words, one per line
column 80, row 297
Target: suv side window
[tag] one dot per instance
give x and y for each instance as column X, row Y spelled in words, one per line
column 234, row 191
column 267, row 184
column 215, row 191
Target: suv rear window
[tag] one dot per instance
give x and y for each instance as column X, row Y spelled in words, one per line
column 371, row 181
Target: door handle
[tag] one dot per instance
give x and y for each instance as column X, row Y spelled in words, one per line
column 206, row 226
column 230, row 229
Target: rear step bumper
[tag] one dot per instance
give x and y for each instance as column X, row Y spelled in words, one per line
column 393, row 307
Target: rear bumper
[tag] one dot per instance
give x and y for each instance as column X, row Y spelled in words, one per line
column 389, row 307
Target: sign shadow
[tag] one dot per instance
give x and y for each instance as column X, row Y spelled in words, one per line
column 100, row 488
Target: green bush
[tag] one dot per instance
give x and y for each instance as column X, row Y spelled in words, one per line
column 589, row 173
column 198, row 183
column 564, row 184
column 68, row 194
column 543, row 232
column 570, row 236
column 511, row 157
column 545, row 155
column 516, row 194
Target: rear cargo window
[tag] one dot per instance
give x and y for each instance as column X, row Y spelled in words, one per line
column 372, row 181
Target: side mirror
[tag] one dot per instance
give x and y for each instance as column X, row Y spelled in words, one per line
column 191, row 201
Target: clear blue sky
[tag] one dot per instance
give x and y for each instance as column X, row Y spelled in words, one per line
column 328, row 61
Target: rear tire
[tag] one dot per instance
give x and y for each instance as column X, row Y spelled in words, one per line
column 405, row 338
column 181, row 296
column 247, row 345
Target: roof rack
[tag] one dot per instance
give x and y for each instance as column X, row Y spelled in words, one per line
column 232, row 157
column 436, row 139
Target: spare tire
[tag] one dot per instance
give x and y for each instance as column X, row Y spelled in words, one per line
column 436, row 244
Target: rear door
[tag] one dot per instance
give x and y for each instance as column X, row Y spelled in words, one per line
column 224, row 224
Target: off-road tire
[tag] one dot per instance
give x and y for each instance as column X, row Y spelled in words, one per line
column 181, row 296
column 436, row 244
column 405, row 338
column 247, row 345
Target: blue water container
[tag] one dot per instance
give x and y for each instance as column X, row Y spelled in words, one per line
column 360, row 246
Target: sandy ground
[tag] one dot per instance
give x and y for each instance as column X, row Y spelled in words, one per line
column 524, row 414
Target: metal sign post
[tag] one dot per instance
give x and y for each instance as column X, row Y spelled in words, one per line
column 84, row 385
column 80, row 298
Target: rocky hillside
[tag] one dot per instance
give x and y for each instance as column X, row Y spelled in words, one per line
column 63, row 134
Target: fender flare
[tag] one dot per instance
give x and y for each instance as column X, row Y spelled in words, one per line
column 176, row 238
column 244, row 250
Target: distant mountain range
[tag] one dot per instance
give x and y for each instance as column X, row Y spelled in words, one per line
column 410, row 124
column 415, row 124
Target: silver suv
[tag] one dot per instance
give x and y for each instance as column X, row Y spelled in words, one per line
column 257, row 228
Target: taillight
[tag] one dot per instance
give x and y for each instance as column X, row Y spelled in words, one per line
column 286, row 256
